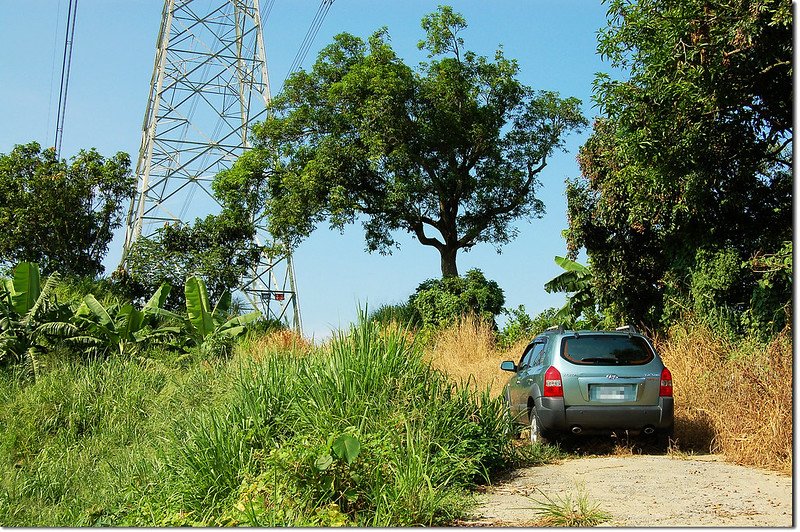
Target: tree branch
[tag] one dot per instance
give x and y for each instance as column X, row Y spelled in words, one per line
column 419, row 231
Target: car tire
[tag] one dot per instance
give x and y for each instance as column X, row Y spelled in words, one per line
column 537, row 434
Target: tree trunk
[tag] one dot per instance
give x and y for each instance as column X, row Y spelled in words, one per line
column 449, row 268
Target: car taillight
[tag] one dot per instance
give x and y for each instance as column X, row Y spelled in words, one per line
column 666, row 384
column 552, row 383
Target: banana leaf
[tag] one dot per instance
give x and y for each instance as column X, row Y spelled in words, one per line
column 158, row 299
column 27, row 287
column 200, row 316
column 130, row 321
column 236, row 325
column 223, row 306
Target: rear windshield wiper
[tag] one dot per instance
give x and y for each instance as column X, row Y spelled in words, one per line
column 600, row 359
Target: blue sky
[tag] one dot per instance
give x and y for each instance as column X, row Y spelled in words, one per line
column 554, row 43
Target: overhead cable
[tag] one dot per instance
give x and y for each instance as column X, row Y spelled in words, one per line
column 65, row 67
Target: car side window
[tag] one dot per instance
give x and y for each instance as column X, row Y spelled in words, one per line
column 525, row 358
column 537, row 353
column 532, row 355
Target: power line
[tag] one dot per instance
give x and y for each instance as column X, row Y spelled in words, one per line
column 65, row 67
column 53, row 66
column 311, row 34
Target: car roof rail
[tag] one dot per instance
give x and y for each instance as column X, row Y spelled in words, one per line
column 559, row 328
column 630, row 329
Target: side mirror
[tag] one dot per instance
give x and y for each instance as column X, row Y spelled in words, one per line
column 508, row 365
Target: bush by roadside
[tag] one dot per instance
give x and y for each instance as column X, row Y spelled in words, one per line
column 732, row 398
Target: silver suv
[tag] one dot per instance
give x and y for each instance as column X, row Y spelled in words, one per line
column 583, row 382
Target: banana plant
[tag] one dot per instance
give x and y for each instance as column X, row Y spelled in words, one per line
column 576, row 279
column 22, row 291
column 31, row 319
column 124, row 328
column 205, row 323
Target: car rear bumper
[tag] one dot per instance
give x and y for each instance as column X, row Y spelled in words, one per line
column 555, row 417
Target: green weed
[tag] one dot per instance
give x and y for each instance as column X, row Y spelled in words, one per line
column 570, row 510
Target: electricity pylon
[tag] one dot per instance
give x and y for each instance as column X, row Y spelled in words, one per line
column 209, row 85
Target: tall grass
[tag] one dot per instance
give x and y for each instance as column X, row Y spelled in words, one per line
column 733, row 398
column 467, row 352
column 249, row 440
column 81, row 443
column 423, row 440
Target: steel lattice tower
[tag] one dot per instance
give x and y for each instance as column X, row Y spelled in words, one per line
column 209, row 85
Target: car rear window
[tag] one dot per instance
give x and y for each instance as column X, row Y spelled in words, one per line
column 606, row 350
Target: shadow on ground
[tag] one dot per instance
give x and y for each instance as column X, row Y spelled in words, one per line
column 693, row 435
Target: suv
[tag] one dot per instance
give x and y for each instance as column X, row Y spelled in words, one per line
column 583, row 382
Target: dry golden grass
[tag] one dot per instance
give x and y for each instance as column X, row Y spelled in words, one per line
column 738, row 403
column 283, row 341
column 467, row 351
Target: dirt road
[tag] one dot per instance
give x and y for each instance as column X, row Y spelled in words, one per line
column 646, row 490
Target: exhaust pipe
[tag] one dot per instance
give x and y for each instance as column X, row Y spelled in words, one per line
column 649, row 430
column 576, row 429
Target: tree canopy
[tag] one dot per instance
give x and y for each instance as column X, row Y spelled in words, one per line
column 220, row 248
column 60, row 214
column 450, row 152
column 690, row 165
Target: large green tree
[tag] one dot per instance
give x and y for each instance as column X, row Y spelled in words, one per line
column 60, row 214
column 692, row 156
column 450, row 152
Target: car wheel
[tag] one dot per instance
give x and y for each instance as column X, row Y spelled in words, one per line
column 536, row 429
column 661, row 439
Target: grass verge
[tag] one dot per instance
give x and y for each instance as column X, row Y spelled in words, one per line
column 253, row 440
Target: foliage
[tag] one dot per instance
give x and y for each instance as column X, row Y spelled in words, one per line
column 211, row 328
column 31, row 319
column 520, row 326
column 61, row 215
column 33, row 322
column 401, row 313
column 577, row 281
column 450, row 152
column 441, row 301
column 693, row 151
column 570, row 510
column 121, row 328
column 771, row 300
column 218, row 247
column 286, row 440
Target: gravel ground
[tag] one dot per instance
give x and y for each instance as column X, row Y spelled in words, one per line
column 645, row 491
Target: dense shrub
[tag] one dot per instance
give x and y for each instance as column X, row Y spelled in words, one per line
column 401, row 313
column 440, row 302
column 734, row 296
column 520, row 326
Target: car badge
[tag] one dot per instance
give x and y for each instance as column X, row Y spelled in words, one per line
column 612, row 376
